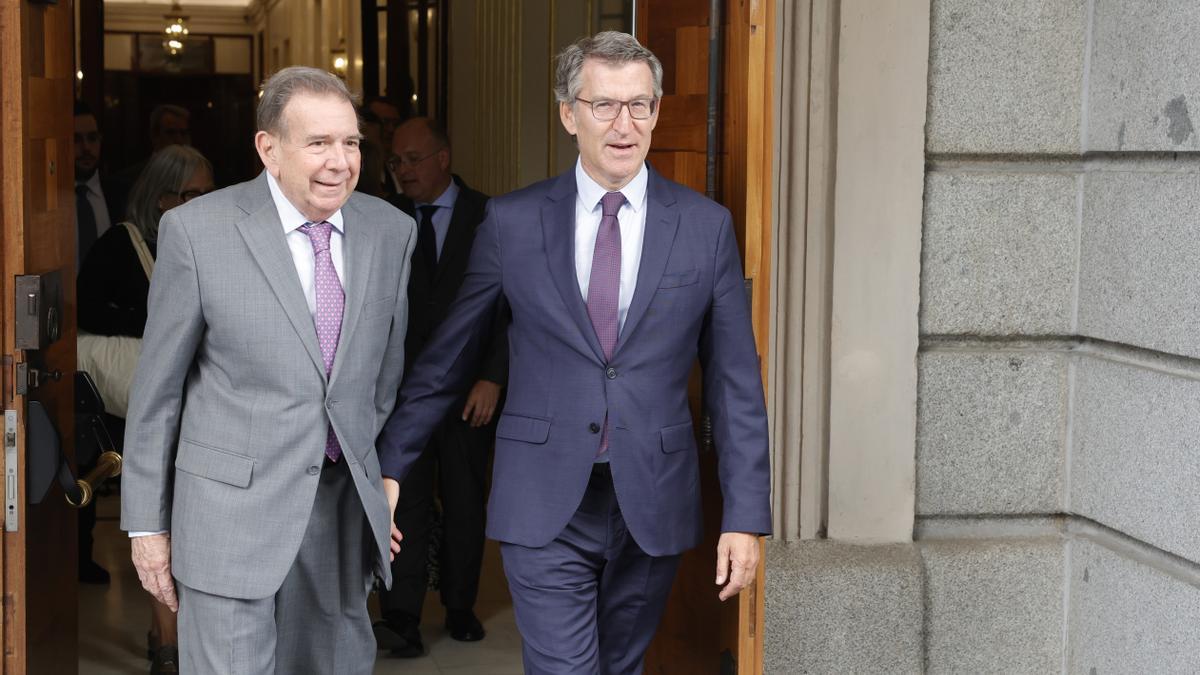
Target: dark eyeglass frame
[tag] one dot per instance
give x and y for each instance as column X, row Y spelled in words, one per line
column 186, row 196
column 652, row 104
column 396, row 161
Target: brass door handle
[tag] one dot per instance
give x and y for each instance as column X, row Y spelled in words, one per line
column 107, row 466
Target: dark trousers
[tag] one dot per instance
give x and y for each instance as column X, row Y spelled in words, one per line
column 456, row 460
column 590, row 601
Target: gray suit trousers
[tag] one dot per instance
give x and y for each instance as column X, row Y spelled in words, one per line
column 316, row 624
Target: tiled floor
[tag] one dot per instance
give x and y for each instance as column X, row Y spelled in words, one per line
column 113, row 619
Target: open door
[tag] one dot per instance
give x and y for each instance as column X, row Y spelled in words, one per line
column 37, row 237
column 699, row 634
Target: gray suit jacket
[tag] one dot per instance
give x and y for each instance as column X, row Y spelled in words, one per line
column 230, row 405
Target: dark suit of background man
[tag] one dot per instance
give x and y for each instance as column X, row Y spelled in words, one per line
column 447, row 213
column 99, row 204
column 618, row 280
column 270, row 360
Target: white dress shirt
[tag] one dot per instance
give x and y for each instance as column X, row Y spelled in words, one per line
column 302, row 255
column 301, row 245
column 441, row 217
column 95, row 197
column 632, row 220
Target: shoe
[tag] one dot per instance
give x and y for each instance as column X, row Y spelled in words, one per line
column 399, row 635
column 166, row 660
column 91, row 573
column 464, row 626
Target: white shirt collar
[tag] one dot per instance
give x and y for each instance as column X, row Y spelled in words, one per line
column 590, row 192
column 93, row 184
column 446, row 199
column 289, row 215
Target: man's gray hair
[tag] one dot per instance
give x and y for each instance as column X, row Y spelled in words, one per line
column 282, row 86
column 611, row 47
column 164, row 109
column 165, row 173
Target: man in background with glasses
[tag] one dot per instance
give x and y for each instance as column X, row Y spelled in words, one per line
column 618, row 280
column 447, row 214
column 97, row 199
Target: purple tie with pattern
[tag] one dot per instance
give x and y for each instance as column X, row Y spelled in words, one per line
column 330, row 302
column 604, row 286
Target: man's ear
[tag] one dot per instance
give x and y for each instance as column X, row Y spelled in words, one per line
column 268, row 149
column 566, row 112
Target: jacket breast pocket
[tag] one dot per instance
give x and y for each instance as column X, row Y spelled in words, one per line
column 681, row 279
column 521, row 428
column 215, row 464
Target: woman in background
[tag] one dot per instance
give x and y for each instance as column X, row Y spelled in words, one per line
column 113, row 287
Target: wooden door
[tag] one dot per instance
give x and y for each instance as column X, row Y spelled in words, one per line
column 37, row 235
column 699, row 634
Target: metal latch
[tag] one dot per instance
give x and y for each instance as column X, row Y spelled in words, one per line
column 11, row 491
column 30, row 378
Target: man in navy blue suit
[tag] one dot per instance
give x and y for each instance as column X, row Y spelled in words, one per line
column 618, row 280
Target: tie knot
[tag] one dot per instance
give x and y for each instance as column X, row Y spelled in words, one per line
column 81, row 189
column 427, row 212
column 318, row 234
column 611, row 203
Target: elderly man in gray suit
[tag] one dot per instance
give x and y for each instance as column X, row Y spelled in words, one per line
column 272, row 356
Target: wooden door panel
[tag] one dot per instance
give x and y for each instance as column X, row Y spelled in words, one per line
column 699, row 634
column 37, row 235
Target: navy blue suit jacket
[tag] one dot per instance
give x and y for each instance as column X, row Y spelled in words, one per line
column 689, row 302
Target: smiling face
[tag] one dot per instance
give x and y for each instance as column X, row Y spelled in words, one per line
column 611, row 152
column 315, row 155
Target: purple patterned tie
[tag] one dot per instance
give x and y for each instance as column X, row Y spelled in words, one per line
column 604, row 286
column 330, row 302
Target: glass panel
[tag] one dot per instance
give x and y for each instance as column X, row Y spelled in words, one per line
column 381, row 21
column 231, row 55
column 195, row 55
column 118, row 51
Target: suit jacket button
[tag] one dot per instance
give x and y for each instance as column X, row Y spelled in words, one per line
column 314, row 470
column 594, row 428
column 611, row 373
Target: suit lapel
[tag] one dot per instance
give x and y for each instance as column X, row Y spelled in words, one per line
column 263, row 233
column 558, row 232
column 359, row 242
column 662, row 220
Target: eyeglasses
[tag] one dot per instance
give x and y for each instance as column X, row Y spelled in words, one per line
column 397, row 161
column 88, row 137
column 188, row 195
column 606, row 110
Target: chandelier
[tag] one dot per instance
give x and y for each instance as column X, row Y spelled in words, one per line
column 175, row 31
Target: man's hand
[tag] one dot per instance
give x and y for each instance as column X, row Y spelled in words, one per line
column 737, row 561
column 391, row 488
column 152, row 558
column 481, row 403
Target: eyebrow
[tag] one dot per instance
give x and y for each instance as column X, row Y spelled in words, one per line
column 326, row 137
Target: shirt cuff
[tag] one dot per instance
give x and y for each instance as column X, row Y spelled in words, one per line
column 133, row 535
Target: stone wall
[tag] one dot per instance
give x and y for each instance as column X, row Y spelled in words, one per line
column 1060, row 329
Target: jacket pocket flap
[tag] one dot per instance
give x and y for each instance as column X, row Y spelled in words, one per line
column 219, row 465
column 682, row 279
column 381, row 306
column 678, row 437
column 521, row 428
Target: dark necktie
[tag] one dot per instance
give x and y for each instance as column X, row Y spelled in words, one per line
column 331, row 300
column 604, row 286
column 85, row 220
column 427, row 239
